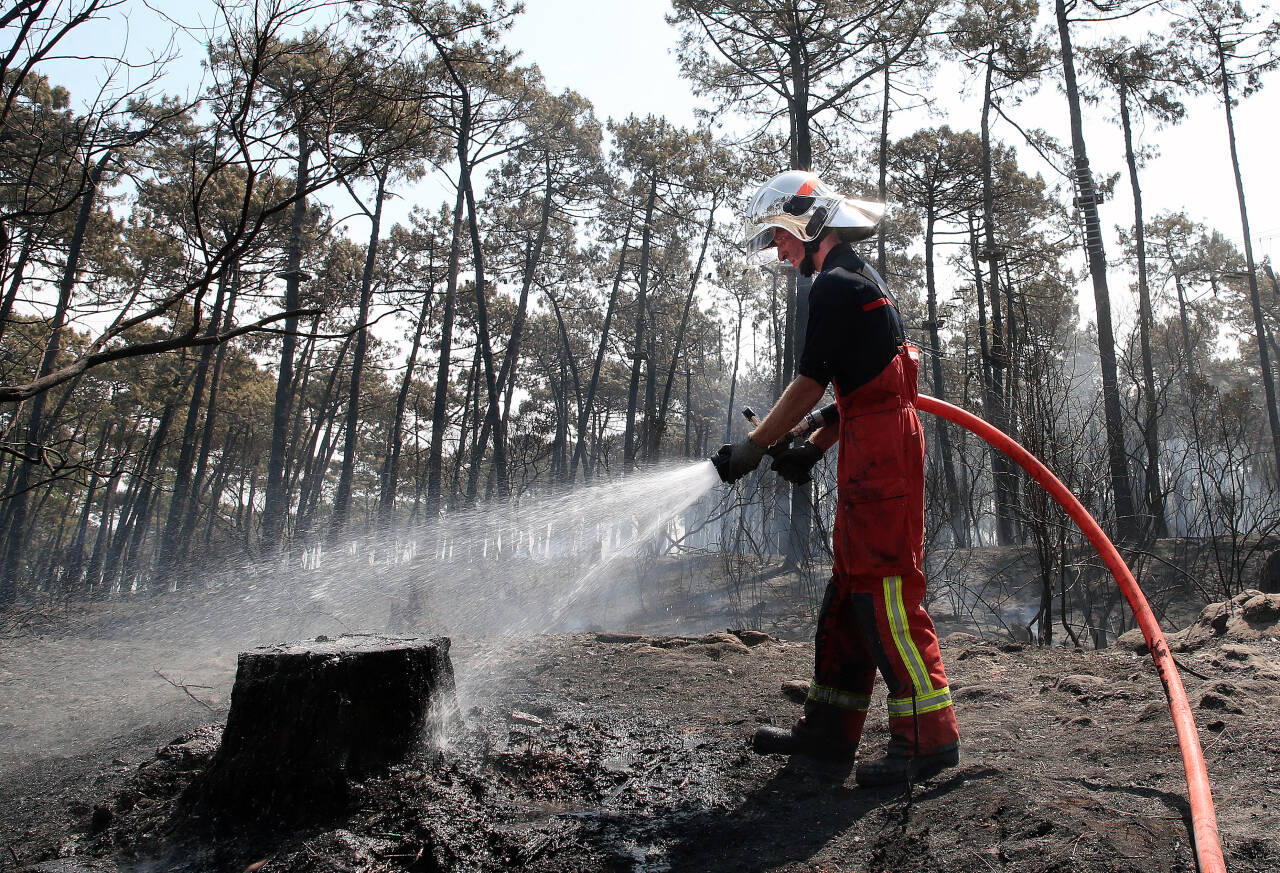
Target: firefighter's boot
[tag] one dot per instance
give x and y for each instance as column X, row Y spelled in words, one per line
column 822, row 732
column 899, row 766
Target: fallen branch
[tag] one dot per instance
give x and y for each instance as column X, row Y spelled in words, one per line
column 186, row 689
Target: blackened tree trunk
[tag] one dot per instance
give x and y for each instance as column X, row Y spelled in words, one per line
column 15, row 281
column 660, row 426
column 1255, row 299
column 276, row 502
column 346, row 479
column 11, row 565
column 486, row 355
column 882, row 187
column 391, row 472
column 959, row 529
column 511, row 356
column 638, row 342
column 1151, row 411
column 439, row 409
column 184, row 484
column 206, row 434
column 567, row 363
column 337, row 711
column 584, row 414
column 993, row 386
column 1120, row 487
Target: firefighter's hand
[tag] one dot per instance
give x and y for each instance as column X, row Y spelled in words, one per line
column 794, row 463
column 733, row 462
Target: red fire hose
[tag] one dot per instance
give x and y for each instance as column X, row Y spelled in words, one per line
column 1203, row 819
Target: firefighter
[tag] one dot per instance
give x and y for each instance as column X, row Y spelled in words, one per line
column 872, row 615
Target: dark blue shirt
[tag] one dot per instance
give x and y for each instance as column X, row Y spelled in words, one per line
column 854, row 329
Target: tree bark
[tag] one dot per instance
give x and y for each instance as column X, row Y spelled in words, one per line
column 439, row 408
column 1255, row 299
column 276, row 504
column 346, row 479
column 660, row 426
column 1001, row 471
column 1151, row 412
column 584, row 414
column 337, row 711
column 13, row 553
column 638, row 344
column 959, row 530
column 1120, row 487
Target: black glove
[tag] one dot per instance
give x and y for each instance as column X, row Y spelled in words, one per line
column 794, row 463
column 733, row 462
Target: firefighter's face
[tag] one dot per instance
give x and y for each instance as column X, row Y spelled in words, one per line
column 790, row 248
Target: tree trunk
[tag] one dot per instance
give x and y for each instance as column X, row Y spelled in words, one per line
column 1151, row 412
column 511, row 357
column 13, row 553
column 15, row 282
column 638, row 344
column 1121, row 491
column 660, row 426
column 1255, row 299
column 572, row 366
column 439, row 408
column 584, row 414
column 959, row 530
column 391, row 473
column 183, row 483
column 309, row 719
column 276, row 504
column 346, row 479
column 1002, row 474
column 733, row 375
column 311, row 471
column 486, row 355
column 206, row 435
column 882, row 187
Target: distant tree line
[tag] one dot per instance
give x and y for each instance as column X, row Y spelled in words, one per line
column 215, row 344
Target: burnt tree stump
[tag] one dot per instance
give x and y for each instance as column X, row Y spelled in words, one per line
column 309, row 719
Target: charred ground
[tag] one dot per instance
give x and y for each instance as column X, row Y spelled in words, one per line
column 611, row 752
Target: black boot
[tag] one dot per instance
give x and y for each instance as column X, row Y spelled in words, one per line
column 899, row 767
column 818, row 734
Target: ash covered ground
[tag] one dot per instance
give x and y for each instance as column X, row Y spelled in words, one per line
column 629, row 752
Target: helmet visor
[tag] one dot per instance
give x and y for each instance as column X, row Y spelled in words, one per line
column 804, row 216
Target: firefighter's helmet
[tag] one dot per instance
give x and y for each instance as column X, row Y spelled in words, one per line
column 798, row 202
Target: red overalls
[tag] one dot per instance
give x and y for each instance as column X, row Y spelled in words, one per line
column 872, row 614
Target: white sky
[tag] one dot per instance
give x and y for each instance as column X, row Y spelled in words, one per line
column 620, row 56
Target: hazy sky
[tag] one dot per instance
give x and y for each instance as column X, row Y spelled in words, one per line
column 620, row 55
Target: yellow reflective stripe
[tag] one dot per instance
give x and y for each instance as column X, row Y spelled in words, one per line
column 897, row 611
column 934, row 708
column 939, row 699
column 920, row 711
column 836, row 697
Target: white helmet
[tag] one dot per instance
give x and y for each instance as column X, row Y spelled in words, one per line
column 798, row 202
